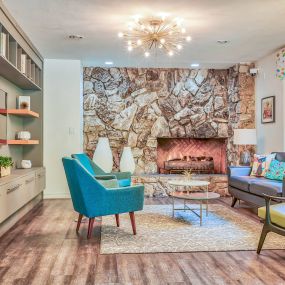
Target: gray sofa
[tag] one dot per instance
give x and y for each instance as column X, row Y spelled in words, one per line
column 248, row 188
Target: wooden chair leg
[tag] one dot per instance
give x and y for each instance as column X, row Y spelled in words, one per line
column 90, row 227
column 117, row 219
column 234, row 202
column 263, row 235
column 132, row 216
column 79, row 222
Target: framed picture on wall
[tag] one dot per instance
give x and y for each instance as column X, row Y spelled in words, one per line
column 268, row 110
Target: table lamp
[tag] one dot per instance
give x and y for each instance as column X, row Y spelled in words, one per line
column 245, row 137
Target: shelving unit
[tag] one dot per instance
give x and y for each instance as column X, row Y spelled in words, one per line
column 13, row 74
column 19, row 142
column 20, row 75
column 20, row 112
column 15, row 63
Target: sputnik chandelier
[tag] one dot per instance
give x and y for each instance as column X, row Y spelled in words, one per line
column 152, row 34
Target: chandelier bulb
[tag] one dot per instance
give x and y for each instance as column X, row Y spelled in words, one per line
column 130, row 48
column 188, row 38
column 183, row 30
column 120, row 34
column 179, row 46
column 146, row 54
column 170, row 53
column 162, row 41
column 139, row 42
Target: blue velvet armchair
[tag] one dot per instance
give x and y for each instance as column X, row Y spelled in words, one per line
column 91, row 199
column 124, row 178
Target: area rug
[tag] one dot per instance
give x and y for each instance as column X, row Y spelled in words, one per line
column 157, row 231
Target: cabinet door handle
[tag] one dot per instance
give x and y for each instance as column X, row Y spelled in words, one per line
column 30, row 180
column 13, row 188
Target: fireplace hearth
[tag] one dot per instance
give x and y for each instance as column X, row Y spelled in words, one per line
column 197, row 164
column 202, row 156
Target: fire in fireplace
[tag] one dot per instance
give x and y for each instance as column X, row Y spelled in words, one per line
column 175, row 155
column 197, row 164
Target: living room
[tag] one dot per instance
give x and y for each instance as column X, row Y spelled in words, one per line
column 142, row 142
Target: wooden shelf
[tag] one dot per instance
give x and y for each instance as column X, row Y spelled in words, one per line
column 11, row 73
column 20, row 112
column 19, row 142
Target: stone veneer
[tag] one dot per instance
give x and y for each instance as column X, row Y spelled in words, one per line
column 156, row 185
column 134, row 106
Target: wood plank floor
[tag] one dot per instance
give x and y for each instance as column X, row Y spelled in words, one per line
column 43, row 248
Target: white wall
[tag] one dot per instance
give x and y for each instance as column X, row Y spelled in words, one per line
column 62, row 120
column 270, row 137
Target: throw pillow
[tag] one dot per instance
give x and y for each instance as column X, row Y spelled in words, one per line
column 276, row 170
column 261, row 163
column 111, row 183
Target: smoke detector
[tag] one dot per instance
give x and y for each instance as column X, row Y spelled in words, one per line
column 223, row 42
column 75, row 37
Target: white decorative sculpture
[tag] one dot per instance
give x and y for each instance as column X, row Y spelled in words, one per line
column 127, row 162
column 26, row 164
column 103, row 156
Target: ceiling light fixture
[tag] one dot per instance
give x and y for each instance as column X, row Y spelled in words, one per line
column 195, row 65
column 151, row 34
column 108, row 62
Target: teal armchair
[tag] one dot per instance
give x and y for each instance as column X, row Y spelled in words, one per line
column 124, row 178
column 91, row 199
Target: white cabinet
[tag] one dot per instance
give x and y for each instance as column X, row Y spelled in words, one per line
column 16, row 196
column 40, row 181
column 19, row 189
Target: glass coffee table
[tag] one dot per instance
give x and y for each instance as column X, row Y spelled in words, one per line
column 200, row 197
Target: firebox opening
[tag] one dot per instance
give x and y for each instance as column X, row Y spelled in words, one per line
column 175, row 155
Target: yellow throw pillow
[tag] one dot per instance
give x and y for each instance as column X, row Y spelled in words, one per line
column 261, row 163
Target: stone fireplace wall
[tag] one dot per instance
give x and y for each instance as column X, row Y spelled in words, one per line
column 135, row 106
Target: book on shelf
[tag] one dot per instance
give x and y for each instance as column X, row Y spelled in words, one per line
column 3, row 44
column 23, row 63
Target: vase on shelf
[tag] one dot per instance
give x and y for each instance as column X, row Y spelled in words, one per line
column 127, row 162
column 103, row 156
column 5, row 171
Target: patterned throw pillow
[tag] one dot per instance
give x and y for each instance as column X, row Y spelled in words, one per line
column 276, row 170
column 261, row 163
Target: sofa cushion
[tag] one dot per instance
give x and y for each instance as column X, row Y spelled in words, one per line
column 243, row 182
column 277, row 214
column 266, row 186
column 280, row 156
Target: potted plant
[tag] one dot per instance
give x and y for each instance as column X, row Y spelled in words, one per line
column 6, row 164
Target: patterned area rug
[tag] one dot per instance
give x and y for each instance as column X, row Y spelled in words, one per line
column 223, row 230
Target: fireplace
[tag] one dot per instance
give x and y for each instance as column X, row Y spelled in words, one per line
column 175, row 155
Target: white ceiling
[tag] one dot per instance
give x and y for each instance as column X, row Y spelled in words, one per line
column 254, row 28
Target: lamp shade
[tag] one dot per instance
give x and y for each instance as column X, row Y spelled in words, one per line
column 245, row 136
column 103, row 155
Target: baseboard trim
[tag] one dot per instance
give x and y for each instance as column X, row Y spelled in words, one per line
column 58, row 195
